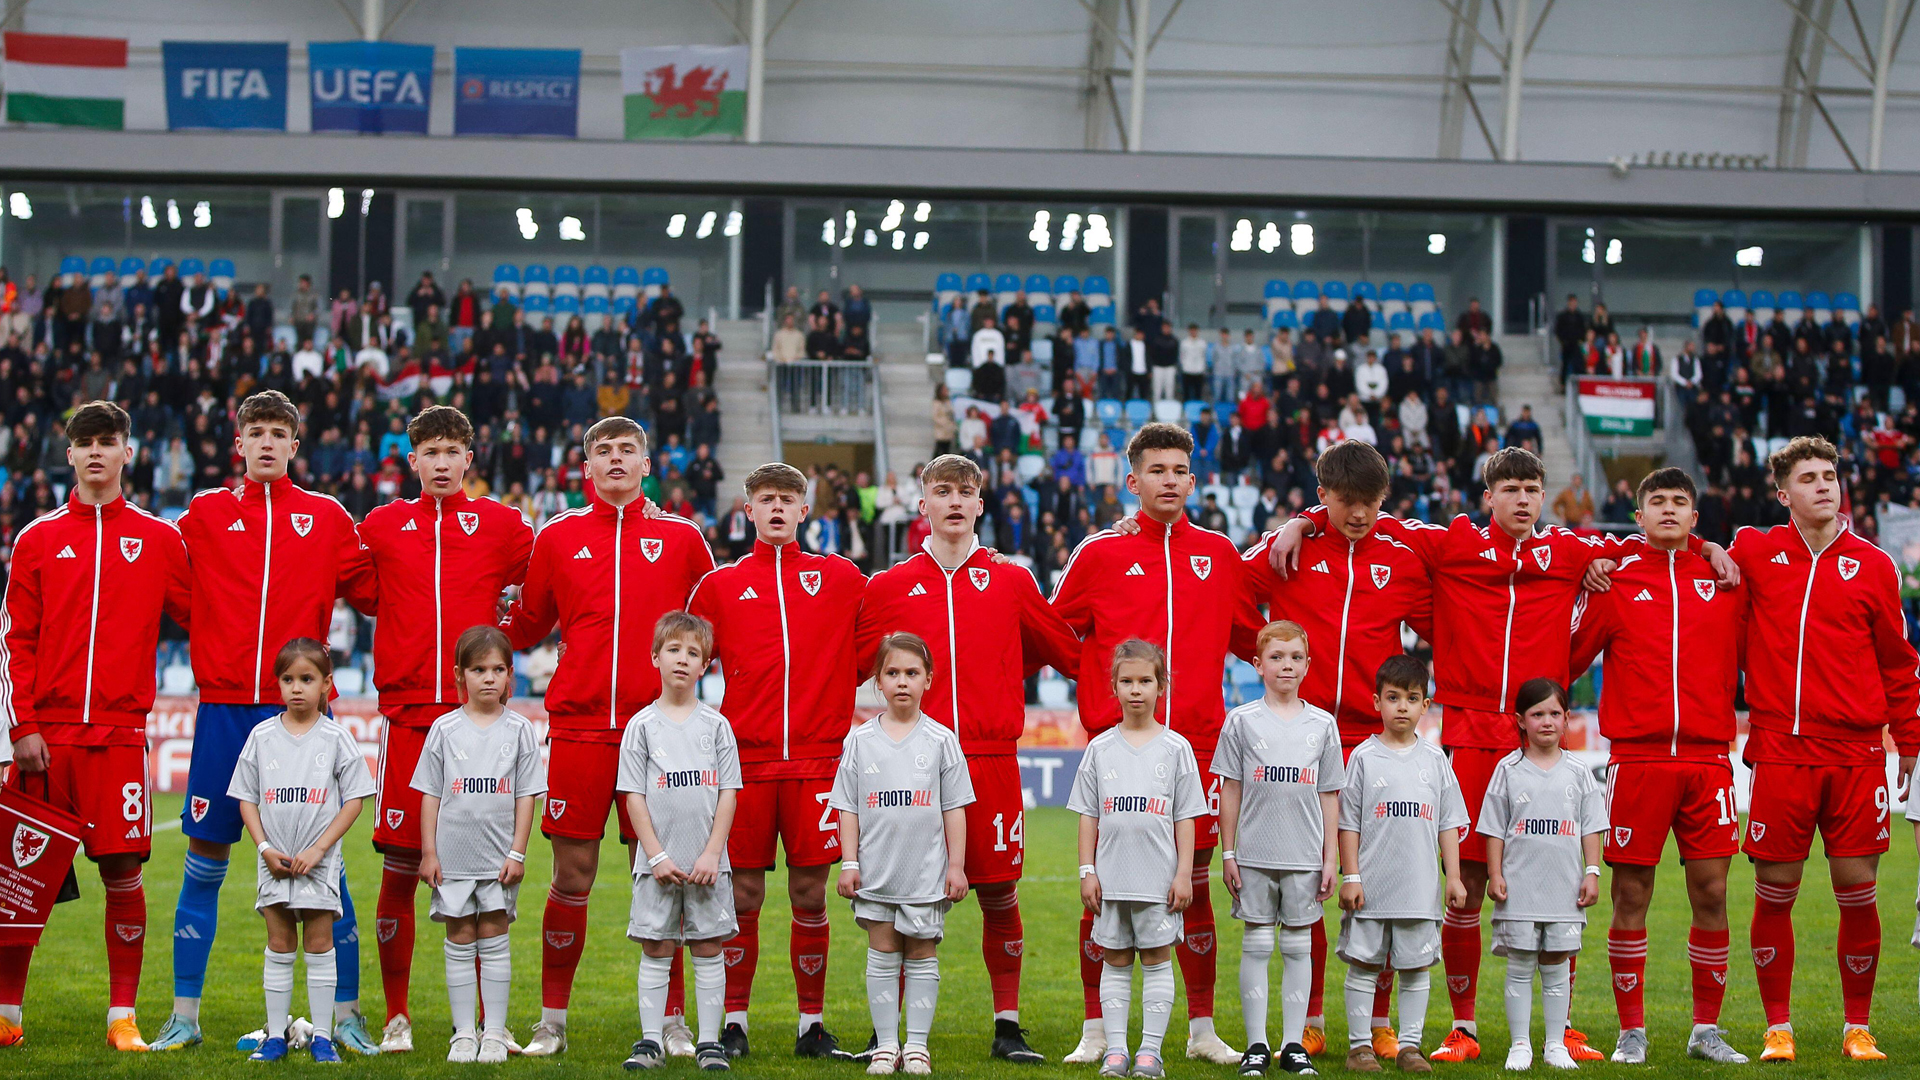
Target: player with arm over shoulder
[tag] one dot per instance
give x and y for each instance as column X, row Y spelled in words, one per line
column 87, row 588
column 989, row 627
column 604, row 573
column 783, row 631
column 1830, row 674
column 1671, row 635
column 1177, row 586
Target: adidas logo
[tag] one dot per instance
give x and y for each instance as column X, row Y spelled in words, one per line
column 1780, row 558
column 410, row 526
column 1261, row 745
column 749, row 594
column 873, row 769
column 1321, row 567
column 66, row 553
column 1112, row 774
column 1490, row 555
column 237, row 526
column 188, row 933
column 917, row 590
column 583, row 553
column 1644, row 595
column 1135, row 571
column 133, row 833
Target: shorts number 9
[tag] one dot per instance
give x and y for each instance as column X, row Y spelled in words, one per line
column 1880, row 802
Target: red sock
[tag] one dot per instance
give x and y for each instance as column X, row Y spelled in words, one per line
column 1772, row 938
column 808, row 950
column 1002, row 940
column 1317, row 989
column 1199, row 963
column 1091, row 956
column 1383, row 998
column 1627, row 956
column 1858, row 946
column 1460, row 950
column 1573, row 972
column 1707, row 953
column 743, row 958
column 126, row 927
column 677, row 984
column 563, row 939
column 393, row 928
column 14, row 961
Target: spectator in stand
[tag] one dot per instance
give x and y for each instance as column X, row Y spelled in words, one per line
column 1103, row 465
column 822, row 342
column 1644, row 360
column 1192, row 364
column 1070, row 407
column 1571, row 329
column 824, row 310
column 1619, row 508
column 425, row 295
column 855, row 345
column 859, row 310
column 1473, row 320
column 789, row 344
column 1413, row 421
column 1877, row 368
column 790, row 305
column 1485, row 362
column 1357, row 323
column 945, row 429
column 989, row 355
column 1525, row 430
column 1371, row 382
column 1163, row 358
column 1574, row 504
column 1068, row 463
column 1258, row 367
column 1325, row 322
column 1151, row 320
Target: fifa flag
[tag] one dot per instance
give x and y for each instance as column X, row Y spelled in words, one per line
column 225, row 85
column 685, row 91
column 1617, row 406
column 71, row 81
column 37, row 846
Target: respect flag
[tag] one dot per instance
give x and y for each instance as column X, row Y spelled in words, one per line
column 37, row 846
column 685, row 91
column 71, row 81
column 1617, row 406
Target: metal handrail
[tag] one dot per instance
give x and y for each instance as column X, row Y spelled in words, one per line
column 773, row 412
column 822, row 387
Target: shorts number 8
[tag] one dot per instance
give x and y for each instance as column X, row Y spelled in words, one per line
column 133, row 802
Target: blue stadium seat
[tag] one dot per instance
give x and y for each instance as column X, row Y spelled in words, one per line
column 1400, row 320
column 1167, row 412
column 221, row 273
column 1364, row 290
column 1043, row 315
column 566, row 280
column 1845, row 301
column 566, row 304
column 1392, row 290
column 625, row 305
column 1190, row 411
column 948, row 282
column 190, row 267
column 1107, row 411
column 536, row 304
column 1138, row 412
column 158, row 266
column 1038, row 283
column 626, row 275
column 536, row 280
column 102, row 264
column 652, row 280
column 506, row 280
column 1101, row 316
column 72, row 264
column 1275, row 287
column 1064, row 284
column 1760, row 300
column 1733, row 298
column 596, row 305
column 1420, row 291
column 1006, row 283
column 1434, row 321
column 1334, row 290
column 1790, row 299
column 1098, row 284
column 1703, row 301
column 978, row 283
column 131, row 265
column 1286, row 319
column 595, row 281
column 1305, row 290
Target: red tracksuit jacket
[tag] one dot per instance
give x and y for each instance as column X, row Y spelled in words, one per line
column 1350, row 597
column 1503, row 612
column 605, row 574
column 83, row 607
column 1827, row 650
column 1176, row 586
column 268, row 561
column 986, row 623
column 436, row 567
column 1672, row 640
column 783, row 625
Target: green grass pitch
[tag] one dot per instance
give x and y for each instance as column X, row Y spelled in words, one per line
column 66, row 997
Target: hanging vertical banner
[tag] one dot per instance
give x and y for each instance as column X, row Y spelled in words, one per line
column 372, row 87
column 72, row 81
column 226, row 85
column 685, row 91
column 516, row 92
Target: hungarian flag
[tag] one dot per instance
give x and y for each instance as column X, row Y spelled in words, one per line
column 684, row 91
column 71, row 81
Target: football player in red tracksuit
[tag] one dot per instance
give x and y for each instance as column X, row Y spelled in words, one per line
column 1671, row 636
column 1828, row 668
column 1178, row 586
column 988, row 620
column 604, row 573
column 437, row 566
column 269, row 558
column 783, row 623
column 1358, row 587
column 1503, row 599
column 88, row 585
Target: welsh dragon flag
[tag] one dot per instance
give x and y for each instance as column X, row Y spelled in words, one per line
column 72, row 81
column 685, row 91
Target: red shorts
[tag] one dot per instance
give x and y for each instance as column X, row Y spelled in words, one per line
column 793, row 812
column 1692, row 799
column 580, row 779
column 1473, row 768
column 396, row 816
column 1849, row 804
column 996, row 821
column 104, row 786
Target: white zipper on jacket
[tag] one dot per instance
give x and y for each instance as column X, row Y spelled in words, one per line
column 1673, row 669
column 613, row 687
column 93, row 619
column 953, row 658
column 439, row 637
column 786, row 654
column 266, row 572
column 1340, row 660
column 1166, row 556
column 1806, row 600
column 1506, row 640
